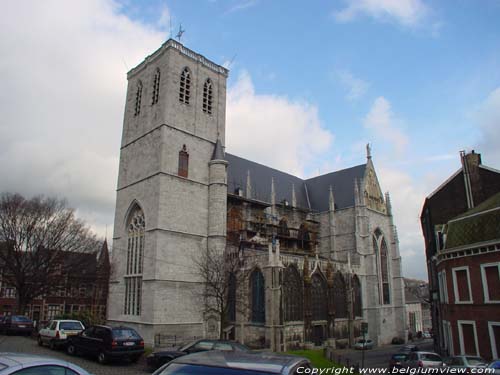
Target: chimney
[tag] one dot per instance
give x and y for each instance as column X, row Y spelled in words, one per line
column 470, row 164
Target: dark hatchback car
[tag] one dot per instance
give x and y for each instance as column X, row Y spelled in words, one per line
column 159, row 358
column 19, row 324
column 107, row 343
column 236, row 363
column 398, row 360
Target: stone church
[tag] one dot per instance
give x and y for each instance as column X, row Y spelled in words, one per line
column 317, row 256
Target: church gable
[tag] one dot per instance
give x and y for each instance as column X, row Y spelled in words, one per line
column 372, row 192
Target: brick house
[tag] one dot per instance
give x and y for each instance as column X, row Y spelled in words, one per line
column 86, row 291
column 462, row 201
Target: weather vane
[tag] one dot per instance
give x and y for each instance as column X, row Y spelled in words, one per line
column 179, row 34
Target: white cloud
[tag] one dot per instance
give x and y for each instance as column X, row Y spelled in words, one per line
column 384, row 126
column 405, row 12
column 241, row 5
column 356, row 87
column 488, row 120
column 274, row 130
column 63, row 78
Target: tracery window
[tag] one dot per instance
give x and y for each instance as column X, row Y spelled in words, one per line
column 258, row 297
column 380, row 248
column 318, row 298
column 207, row 96
column 304, row 238
column 292, row 294
column 231, row 298
column 185, row 86
column 283, row 228
column 138, row 98
column 357, row 300
column 135, row 256
column 340, row 296
column 156, row 87
column 183, row 162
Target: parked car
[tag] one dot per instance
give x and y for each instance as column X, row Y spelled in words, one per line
column 21, row 363
column 424, row 360
column 465, row 361
column 161, row 357
column 17, row 324
column 495, row 365
column 363, row 344
column 409, row 348
column 236, row 363
column 427, row 335
column 57, row 332
column 398, row 360
column 107, row 343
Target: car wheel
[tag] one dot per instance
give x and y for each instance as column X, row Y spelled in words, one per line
column 40, row 341
column 71, row 349
column 52, row 345
column 135, row 358
column 102, row 358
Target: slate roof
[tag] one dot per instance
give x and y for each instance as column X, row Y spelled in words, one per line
column 311, row 194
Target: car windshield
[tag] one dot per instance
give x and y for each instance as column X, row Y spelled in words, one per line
column 239, row 347
column 21, row 319
column 187, row 346
column 474, row 361
column 70, row 326
column 184, row 369
column 399, row 357
column 430, row 357
column 125, row 333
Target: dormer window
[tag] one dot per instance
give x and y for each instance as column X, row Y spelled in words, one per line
column 207, row 97
column 185, row 86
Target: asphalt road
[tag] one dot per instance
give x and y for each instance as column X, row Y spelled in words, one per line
column 22, row 344
column 375, row 358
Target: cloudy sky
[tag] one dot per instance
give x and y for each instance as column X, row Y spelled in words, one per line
column 312, row 81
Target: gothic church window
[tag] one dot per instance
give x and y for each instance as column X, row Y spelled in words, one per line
column 135, row 256
column 156, row 87
column 207, row 96
column 357, row 300
column 258, row 297
column 292, row 294
column 318, row 298
column 183, row 162
column 138, row 98
column 340, row 297
column 185, row 86
column 380, row 248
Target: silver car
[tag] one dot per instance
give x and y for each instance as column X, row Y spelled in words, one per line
column 236, row 363
column 465, row 361
column 424, row 360
column 28, row 364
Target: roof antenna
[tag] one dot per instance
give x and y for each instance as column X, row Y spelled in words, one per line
column 179, row 34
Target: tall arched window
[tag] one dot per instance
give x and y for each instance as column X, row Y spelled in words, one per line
column 357, row 300
column 183, row 162
column 283, row 228
column 380, row 248
column 340, row 296
column 138, row 98
column 185, row 86
column 156, row 87
column 292, row 294
column 135, row 254
column 319, row 298
column 304, row 238
column 207, row 96
column 258, row 297
column 231, row 298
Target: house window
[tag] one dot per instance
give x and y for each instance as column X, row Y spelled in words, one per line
column 443, row 287
column 448, row 337
column 138, row 98
column 494, row 331
column 135, row 255
column 318, row 298
column 357, row 300
column 258, row 297
column 53, row 311
column 380, row 248
column 468, row 337
column 490, row 275
column 156, row 87
column 292, row 294
column 185, row 86
column 183, row 162
column 339, row 296
column 461, row 285
column 207, row 97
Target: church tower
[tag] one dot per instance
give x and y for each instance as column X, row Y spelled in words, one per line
column 171, row 193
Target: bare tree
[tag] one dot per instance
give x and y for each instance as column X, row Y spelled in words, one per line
column 42, row 243
column 221, row 274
